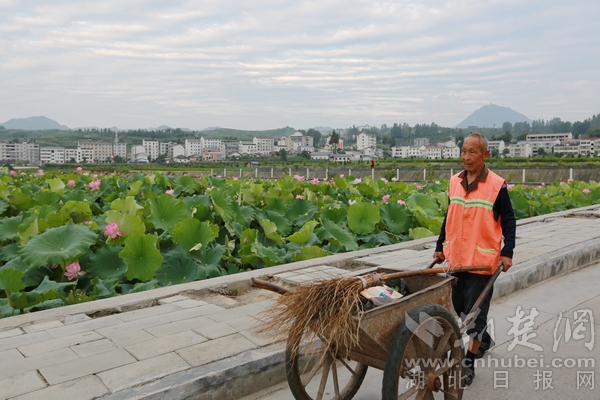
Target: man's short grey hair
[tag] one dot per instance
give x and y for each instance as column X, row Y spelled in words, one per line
column 483, row 142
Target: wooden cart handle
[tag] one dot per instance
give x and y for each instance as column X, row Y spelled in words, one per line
column 259, row 283
column 432, row 271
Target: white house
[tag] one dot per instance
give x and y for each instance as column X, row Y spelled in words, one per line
column 366, row 140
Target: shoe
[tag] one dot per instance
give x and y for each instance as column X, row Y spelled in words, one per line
column 484, row 346
column 468, row 374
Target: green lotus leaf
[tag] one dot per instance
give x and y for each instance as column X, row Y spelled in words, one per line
column 244, row 214
column 191, row 233
column 376, row 240
column 308, row 253
column 222, row 204
column 25, row 300
column 56, row 185
column 4, row 206
column 283, row 224
column 420, row 233
column 77, row 195
column 74, row 211
column 9, row 227
column 106, row 264
column 20, row 199
column 339, row 236
column 270, row 230
column 362, row 218
column 134, row 188
column 57, row 245
column 396, row 217
column 47, row 198
column 141, row 256
column 128, row 224
column 198, row 206
column 217, row 182
column 368, row 188
column 336, row 215
column 127, row 205
column 9, row 252
column 302, row 236
column 247, row 241
column 276, row 204
column 270, row 255
column 186, row 184
column 210, row 260
column 166, row 212
column 252, row 194
column 103, row 289
column 11, row 280
column 143, row 286
column 177, row 267
column 300, row 211
column 424, row 202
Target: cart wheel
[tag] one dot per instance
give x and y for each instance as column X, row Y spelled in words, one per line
column 425, row 359
column 314, row 376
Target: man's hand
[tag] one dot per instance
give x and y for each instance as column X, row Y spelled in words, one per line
column 506, row 261
column 440, row 256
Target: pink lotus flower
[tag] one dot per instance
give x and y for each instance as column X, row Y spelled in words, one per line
column 384, row 180
column 13, row 172
column 298, row 196
column 235, row 178
column 22, row 173
column 315, row 181
column 78, row 170
column 510, row 186
column 170, row 191
column 342, row 175
column 299, row 178
column 357, row 181
column 350, row 202
column 419, row 187
column 71, row 183
column 394, row 179
column 94, row 185
column 40, row 172
column 402, row 202
column 585, row 191
column 385, row 198
column 73, row 270
column 112, row 230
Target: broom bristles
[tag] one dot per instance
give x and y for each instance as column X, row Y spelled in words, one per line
column 328, row 308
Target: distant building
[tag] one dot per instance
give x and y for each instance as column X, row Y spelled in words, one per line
column 192, row 147
column 102, row 151
column 229, row 147
column 537, row 137
column 52, row 155
column 264, row 145
column 418, row 142
column 152, row 149
column 28, row 153
column 366, row 140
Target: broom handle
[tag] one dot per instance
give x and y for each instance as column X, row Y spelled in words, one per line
column 259, row 283
column 432, row 271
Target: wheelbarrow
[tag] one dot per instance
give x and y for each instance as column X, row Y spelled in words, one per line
column 414, row 340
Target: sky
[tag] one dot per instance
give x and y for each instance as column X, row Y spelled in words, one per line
column 267, row 64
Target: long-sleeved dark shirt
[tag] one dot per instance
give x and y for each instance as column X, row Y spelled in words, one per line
column 502, row 209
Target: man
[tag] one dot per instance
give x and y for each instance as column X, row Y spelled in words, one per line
column 479, row 215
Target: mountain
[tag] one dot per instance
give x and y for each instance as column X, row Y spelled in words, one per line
column 211, row 128
column 492, row 116
column 33, row 124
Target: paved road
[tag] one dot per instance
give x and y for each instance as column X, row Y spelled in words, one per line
column 557, row 358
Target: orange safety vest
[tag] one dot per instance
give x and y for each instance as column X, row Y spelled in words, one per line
column 473, row 237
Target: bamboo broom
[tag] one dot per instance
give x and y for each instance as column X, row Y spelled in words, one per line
column 329, row 308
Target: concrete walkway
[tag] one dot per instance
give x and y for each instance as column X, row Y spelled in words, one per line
column 197, row 340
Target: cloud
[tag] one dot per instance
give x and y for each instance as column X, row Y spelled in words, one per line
column 265, row 64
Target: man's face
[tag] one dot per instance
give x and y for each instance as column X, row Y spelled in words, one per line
column 473, row 157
